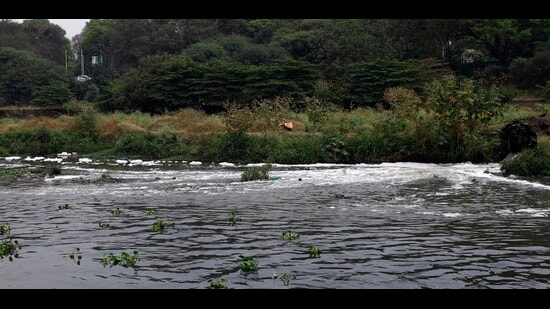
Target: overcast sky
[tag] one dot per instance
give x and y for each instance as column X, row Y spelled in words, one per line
column 72, row 26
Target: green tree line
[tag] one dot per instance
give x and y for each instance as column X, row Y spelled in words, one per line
column 159, row 64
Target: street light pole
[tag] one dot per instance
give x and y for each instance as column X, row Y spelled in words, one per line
column 81, row 63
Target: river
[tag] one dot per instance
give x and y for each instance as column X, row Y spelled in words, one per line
column 390, row 225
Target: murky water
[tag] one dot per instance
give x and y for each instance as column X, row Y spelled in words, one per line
column 401, row 225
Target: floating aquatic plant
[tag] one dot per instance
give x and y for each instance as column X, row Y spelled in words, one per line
column 4, row 229
column 104, row 225
column 313, row 251
column 218, row 284
column 160, row 225
column 249, row 264
column 75, row 256
column 285, row 277
column 65, row 206
column 233, row 218
column 125, row 259
column 116, row 211
column 151, row 211
column 9, row 248
column 290, row 235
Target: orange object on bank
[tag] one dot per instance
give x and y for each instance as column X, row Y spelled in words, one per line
column 288, row 125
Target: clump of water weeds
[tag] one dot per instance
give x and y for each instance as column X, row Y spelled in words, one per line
column 218, row 284
column 125, row 259
column 233, row 218
column 249, row 264
column 160, row 225
column 75, row 256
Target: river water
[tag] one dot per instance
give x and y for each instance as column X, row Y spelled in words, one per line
column 391, row 225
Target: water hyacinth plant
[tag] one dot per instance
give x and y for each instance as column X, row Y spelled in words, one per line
column 151, row 211
column 9, row 248
column 75, row 256
column 249, row 264
column 160, row 225
column 285, row 277
column 116, row 211
column 218, row 284
column 233, row 218
column 65, row 206
column 290, row 235
column 104, row 225
column 4, row 229
column 313, row 251
column 125, row 259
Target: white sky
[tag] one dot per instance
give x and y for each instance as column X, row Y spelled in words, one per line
column 72, row 26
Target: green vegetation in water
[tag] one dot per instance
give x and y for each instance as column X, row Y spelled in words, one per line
column 313, row 251
column 124, row 259
column 529, row 162
column 218, row 284
column 13, row 172
column 233, row 218
column 17, row 172
column 256, row 173
column 285, row 277
column 151, row 211
column 104, row 225
column 160, row 225
column 290, row 235
column 9, row 248
column 65, row 206
column 4, row 229
column 249, row 264
column 116, row 211
column 75, row 256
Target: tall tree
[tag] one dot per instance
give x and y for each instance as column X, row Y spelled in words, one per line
column 48, row 39
column 504, row 39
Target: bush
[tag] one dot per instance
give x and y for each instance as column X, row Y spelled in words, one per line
column 256, row 173
column 54, row 94
column 22, row 73
column 528, row 73
column 148, row 145
column 530, row 162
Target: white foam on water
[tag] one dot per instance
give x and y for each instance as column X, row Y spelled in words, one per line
column 85, row 160
column 57, row 160
column 452, row 214
column 35, row 159
column 226, row 164
column 12, row 158
column 62, row 177
column 195, row 163
column 505, row 212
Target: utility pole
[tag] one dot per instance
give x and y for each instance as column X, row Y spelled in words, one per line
column 81, row 63
column 66, row 67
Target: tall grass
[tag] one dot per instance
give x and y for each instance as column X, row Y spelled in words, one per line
column 361, row 135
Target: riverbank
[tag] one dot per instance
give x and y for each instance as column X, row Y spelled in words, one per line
column 323, row 135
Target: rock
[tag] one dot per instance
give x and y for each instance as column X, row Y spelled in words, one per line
column 515, row 137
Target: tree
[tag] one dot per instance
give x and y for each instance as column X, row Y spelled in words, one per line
column 53, row 94
column 94, row 43
column 504, row 39
column 47, row 39
column 21, row 73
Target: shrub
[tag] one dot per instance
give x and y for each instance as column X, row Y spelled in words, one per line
column 530, row 162
column 53, row 94
column 256, row 173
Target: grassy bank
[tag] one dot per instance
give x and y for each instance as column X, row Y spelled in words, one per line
column 319, row 135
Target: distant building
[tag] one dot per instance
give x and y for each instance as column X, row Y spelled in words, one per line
column 97, row 60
